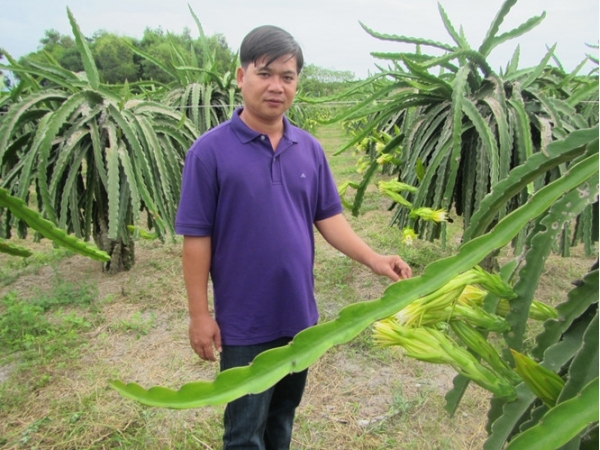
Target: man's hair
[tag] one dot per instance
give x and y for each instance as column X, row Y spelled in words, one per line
column 269, row 42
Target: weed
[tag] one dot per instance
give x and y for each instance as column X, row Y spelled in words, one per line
column 16, row 267
column 136, row 323
column 19, row 321
column 64, row 293
column 32, row 429
column 38, row 329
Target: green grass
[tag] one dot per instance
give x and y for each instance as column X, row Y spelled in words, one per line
column 11, row 268
column 41, row 326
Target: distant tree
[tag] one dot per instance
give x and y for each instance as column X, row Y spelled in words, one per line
column 165, row 47
column 222, row 53
column 51, row 38
column 59, row 47
column 117, row 61
column 318, row 81
column 71, row 59
column 154, row 42
column 114, row 59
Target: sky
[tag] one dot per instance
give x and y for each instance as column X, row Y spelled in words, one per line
column 328, row 30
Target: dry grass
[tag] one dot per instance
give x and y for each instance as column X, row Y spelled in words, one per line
column 357, row 397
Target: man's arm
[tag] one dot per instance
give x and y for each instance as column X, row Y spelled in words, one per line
column 203, row 329
column 339, row 234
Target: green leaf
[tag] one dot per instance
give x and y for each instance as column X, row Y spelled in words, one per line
column 516, row 32
column 426, row 79
column 497, row 104
column 513, row 65
column 86, row 54
column 491, row 39
column 533, row 76
column 47, row 228
column 114, row 188
column 505, row 416
column 360, row 192
column 579, row 299
column 16, row 113
column 202, row 38
column 156, row 153
column 48, row 134
column 522, row 128
column 556, row 153
column 584, row 367
column 12, row 249
column 487, row 138
column 471, row 55
column 563, row 211
column 144, row 175
column 69, row 203
column 561, row 423
column 495, row 26
column 584, row 94
column 460, row 40
column 98, row 151
column 405, row 39
column 130, row 178
column 28, row 169
column 51, row 73
column 458, row 94
column 420, row 169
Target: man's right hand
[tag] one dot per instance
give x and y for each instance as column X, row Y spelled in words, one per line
column 204, row 333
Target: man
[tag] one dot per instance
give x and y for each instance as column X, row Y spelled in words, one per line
column 253, row 187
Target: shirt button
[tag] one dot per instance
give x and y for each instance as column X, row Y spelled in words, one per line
column 262, row 138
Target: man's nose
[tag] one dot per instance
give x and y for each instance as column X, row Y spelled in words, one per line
column 276, row 84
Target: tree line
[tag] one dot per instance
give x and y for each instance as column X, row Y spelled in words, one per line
column 118, row 62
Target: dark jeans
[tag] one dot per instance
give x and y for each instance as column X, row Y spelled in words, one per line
column 261, row 421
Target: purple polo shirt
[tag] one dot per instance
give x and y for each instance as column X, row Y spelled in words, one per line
column 259, row 207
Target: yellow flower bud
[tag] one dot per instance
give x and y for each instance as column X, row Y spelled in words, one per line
column 479, row 345
column 543, row 382
column 429, row 214
column 430, row 345
column 384, row 159
column 408, row 236
column 537, row 310
column 472, row 294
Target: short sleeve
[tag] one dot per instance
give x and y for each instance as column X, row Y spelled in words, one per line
column 329, row 203
column 197, row 204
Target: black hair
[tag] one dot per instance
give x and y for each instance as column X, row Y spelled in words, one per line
column 269, row 42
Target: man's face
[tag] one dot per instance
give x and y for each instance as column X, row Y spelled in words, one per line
column 268, row 91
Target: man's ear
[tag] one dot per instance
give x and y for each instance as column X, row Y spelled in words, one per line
column 240, row 76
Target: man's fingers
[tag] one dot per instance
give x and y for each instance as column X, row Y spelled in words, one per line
column 208, row 353
column 218, row 341
column 403, row 269
column 406, row 272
